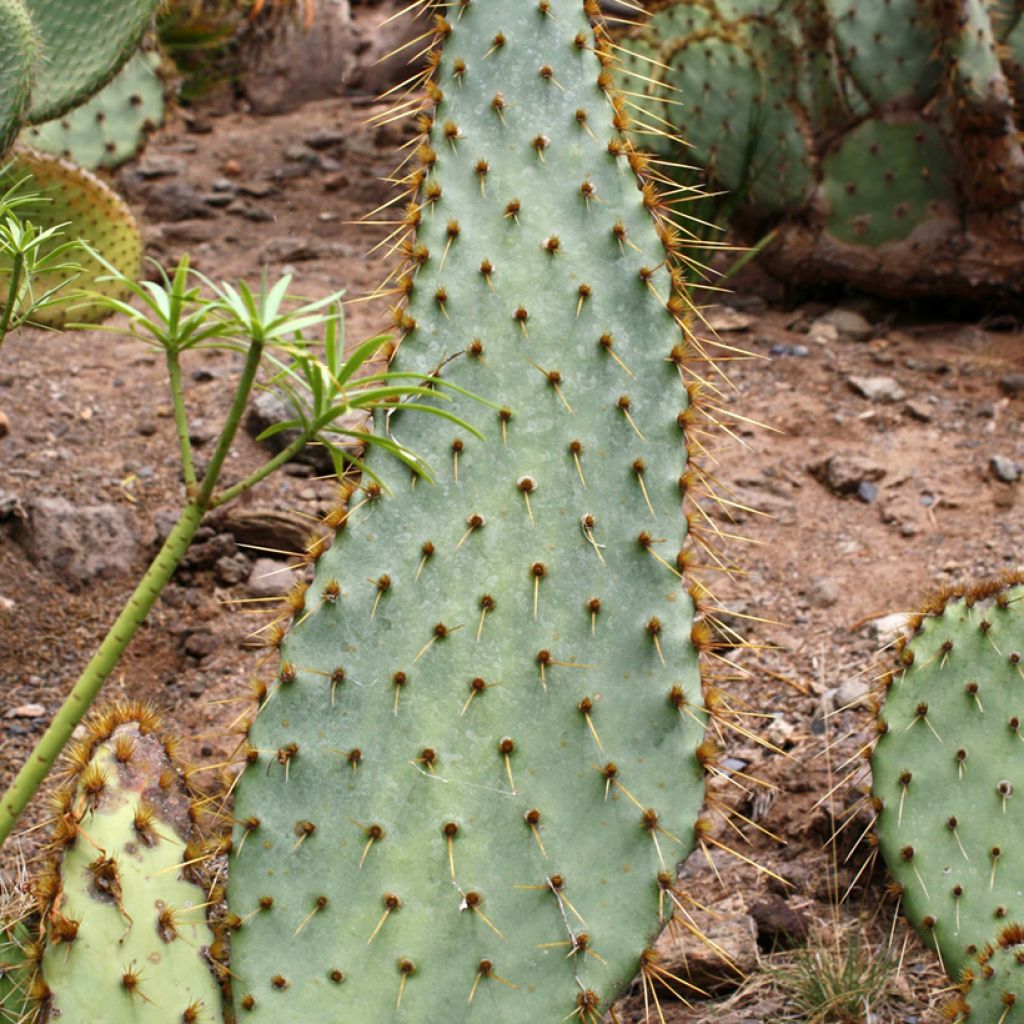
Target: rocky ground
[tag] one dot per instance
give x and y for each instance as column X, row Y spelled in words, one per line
column 890, row 464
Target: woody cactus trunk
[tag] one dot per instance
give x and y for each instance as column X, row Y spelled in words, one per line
column 470, row 784
column 880, row 136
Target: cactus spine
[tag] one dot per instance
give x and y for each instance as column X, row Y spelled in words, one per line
column 483, row 756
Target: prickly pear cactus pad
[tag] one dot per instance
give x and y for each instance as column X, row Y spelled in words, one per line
column 992, row 989
column 126, row 929
column 483, row 756
column 112, row 127
column 17, row 55
column 947, row 770
column 82, row 45
column 91, row 211
column 18, row 970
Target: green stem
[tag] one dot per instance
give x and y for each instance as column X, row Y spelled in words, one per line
column 102, row 664
column 227, row 436
column 12, row 295
column 283, row 456
column 188, row 468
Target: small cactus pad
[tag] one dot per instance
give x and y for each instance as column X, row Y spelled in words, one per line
column 82, row 45
column 126, row 928
column 111, row 127
column 17, row 55
column 471, row 783
column 18, row 969
column 993, row 987
column 92, row 212
column 947, row 770
column 885, row 179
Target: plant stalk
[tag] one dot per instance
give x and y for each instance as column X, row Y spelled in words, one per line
column 188, row 470
column 47, row 750
column 17, row 267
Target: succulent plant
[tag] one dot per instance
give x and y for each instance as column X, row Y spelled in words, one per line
column 483, row 756
column 127, row 937
column 112, row 126
column 994, row 984
column 880, row 136
column 946, row 770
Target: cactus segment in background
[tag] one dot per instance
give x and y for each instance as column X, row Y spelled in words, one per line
column 126, row 929
column 994, row 985
column 947, row 770
column 17, row 57
column 483, row 756
column 82, row 44
column 112, row 126
column 91, row 211
column 879, row 136
column 18, row 968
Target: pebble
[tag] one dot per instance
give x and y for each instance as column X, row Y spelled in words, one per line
column 823, row 333
column 919, row 410
column 1005, row 469
column 852, row 692
column 888, row 626
column 867, row 491
column 823, row 592
column 798, row 351
column 722, row 318
column 5, row 425
column 26, row 711
column 844, row 474
column 847, row 323
column 877, row 389
column 1012, row 384
column 269, row 578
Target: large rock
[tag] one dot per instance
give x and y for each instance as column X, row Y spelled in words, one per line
column 78, row 543
column 304, row 65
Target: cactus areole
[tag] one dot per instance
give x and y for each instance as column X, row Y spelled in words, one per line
column 470, row 786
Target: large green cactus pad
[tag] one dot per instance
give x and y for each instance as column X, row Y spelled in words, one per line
column 111, row 127
column 479, row 765
column 82, row 45
column 126, row 930
column 92, row 212
column 17, row 55
column 993, row 989
column 948, row 773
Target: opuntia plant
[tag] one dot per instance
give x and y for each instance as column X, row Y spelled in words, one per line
column 484, row 752
column 946, row 777
column 879, row 136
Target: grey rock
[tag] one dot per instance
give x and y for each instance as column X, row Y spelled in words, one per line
column 877, row 389
column 849, row 324
column 326, row 139
column 5, row 425
column 867, row 492
column 78, row 543
column 268, row 409
column 154, row 165
column 267, row 528
column 175, row 201
column 205, row 555
column 270, row 578
column 200, row 644
column 289, row 250
column 852, row 692
column 1005, row 469
column 823, row 592
column 232, row 569
column 844, row 474
column 1012, row 384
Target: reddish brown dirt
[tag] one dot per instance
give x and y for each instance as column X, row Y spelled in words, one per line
column 90, row 422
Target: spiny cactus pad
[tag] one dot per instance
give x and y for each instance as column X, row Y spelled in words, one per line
column 947, row 771
column 92, row 212
column 82, row 45
column 111, row 127
column 993, row 987
column 17, row 971
column 17, row 56
column 126, row 928
column 470, row 785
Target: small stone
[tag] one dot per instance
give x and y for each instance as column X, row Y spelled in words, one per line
column 867, row 492
column 202, row 374
column 232, row 169
column 877, row 389
column 147, row 428
column 844, row 474
column 270, row 578
column 175, row 201
column 288, row 250
column 823, row 333
column 848, row 324
column 918, row 410
column 267, row 528
column 851, row 692
column 779, row 925
column 324, row 138
column 1005, row 469
column 201, row 644
column 5, row 425
column 152, row 166
column 722, row 318
column 1012, row 384
column 200, row 433
column 26, row 711
column 823, row 592
column 231, row 570
column 889, row 626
